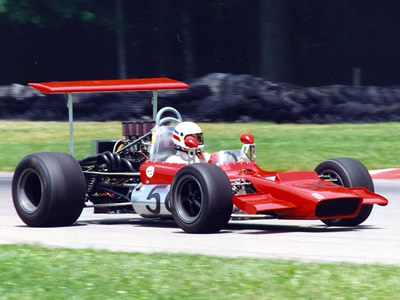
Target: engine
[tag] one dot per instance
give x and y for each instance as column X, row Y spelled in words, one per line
column 111, row 175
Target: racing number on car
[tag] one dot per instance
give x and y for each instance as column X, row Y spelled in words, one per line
column 168, row 203
column 157, row 199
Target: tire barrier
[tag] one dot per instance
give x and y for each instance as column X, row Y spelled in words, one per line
column 216, row 97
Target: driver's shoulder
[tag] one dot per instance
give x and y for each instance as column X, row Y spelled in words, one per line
column 176, row 159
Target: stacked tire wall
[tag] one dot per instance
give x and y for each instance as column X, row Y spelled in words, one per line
column 216, row 97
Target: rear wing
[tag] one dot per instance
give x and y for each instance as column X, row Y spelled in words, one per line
column 113, row 85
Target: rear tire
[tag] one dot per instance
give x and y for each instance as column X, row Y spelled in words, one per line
column 348, row 172
column 48, row 189
column 201, row 198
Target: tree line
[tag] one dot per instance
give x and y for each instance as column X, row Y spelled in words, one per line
column 306, row 42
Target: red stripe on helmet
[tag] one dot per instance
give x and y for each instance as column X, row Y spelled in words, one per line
column 174, row 136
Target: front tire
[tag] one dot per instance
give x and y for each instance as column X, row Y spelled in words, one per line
column 48, row 189
column 347, row 172
column 201, row 199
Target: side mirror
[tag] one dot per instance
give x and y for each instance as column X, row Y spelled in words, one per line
column 191, row 142
column 247, row 138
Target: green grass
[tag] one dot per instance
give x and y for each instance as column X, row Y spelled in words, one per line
column 31, row 272
column 18, row 139
column 279, row 147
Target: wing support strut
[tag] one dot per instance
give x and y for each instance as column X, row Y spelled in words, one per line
column 113, row 85
column 71, row 123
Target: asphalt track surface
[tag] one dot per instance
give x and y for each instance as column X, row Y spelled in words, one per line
column 375, row 241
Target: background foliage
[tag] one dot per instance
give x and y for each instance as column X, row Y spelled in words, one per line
column 306, row 42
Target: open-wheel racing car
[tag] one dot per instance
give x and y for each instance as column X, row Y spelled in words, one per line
column 200, row 194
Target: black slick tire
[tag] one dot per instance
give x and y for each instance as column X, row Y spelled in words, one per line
column 201, row 198
column 347, row 172
column 48, row 189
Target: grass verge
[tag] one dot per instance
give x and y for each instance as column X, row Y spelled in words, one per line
column 31, row 272
column 279, row 147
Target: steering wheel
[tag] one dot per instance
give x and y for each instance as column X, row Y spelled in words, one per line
column 231, row 154
column 161, row 121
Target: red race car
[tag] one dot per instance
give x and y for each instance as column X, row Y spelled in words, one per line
column 159, row 169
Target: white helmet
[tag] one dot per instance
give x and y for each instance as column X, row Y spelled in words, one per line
column 184, row 129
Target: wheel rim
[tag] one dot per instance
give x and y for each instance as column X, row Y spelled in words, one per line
column 331, row 175
column 189, row 199
column 30, row 190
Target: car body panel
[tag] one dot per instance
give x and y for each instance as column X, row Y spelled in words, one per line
column 155, row 172
column 290, row 195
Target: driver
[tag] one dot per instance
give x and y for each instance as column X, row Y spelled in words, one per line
column 181, row 131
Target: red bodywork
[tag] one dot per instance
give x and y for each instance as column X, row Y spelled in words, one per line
column 288, row 195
